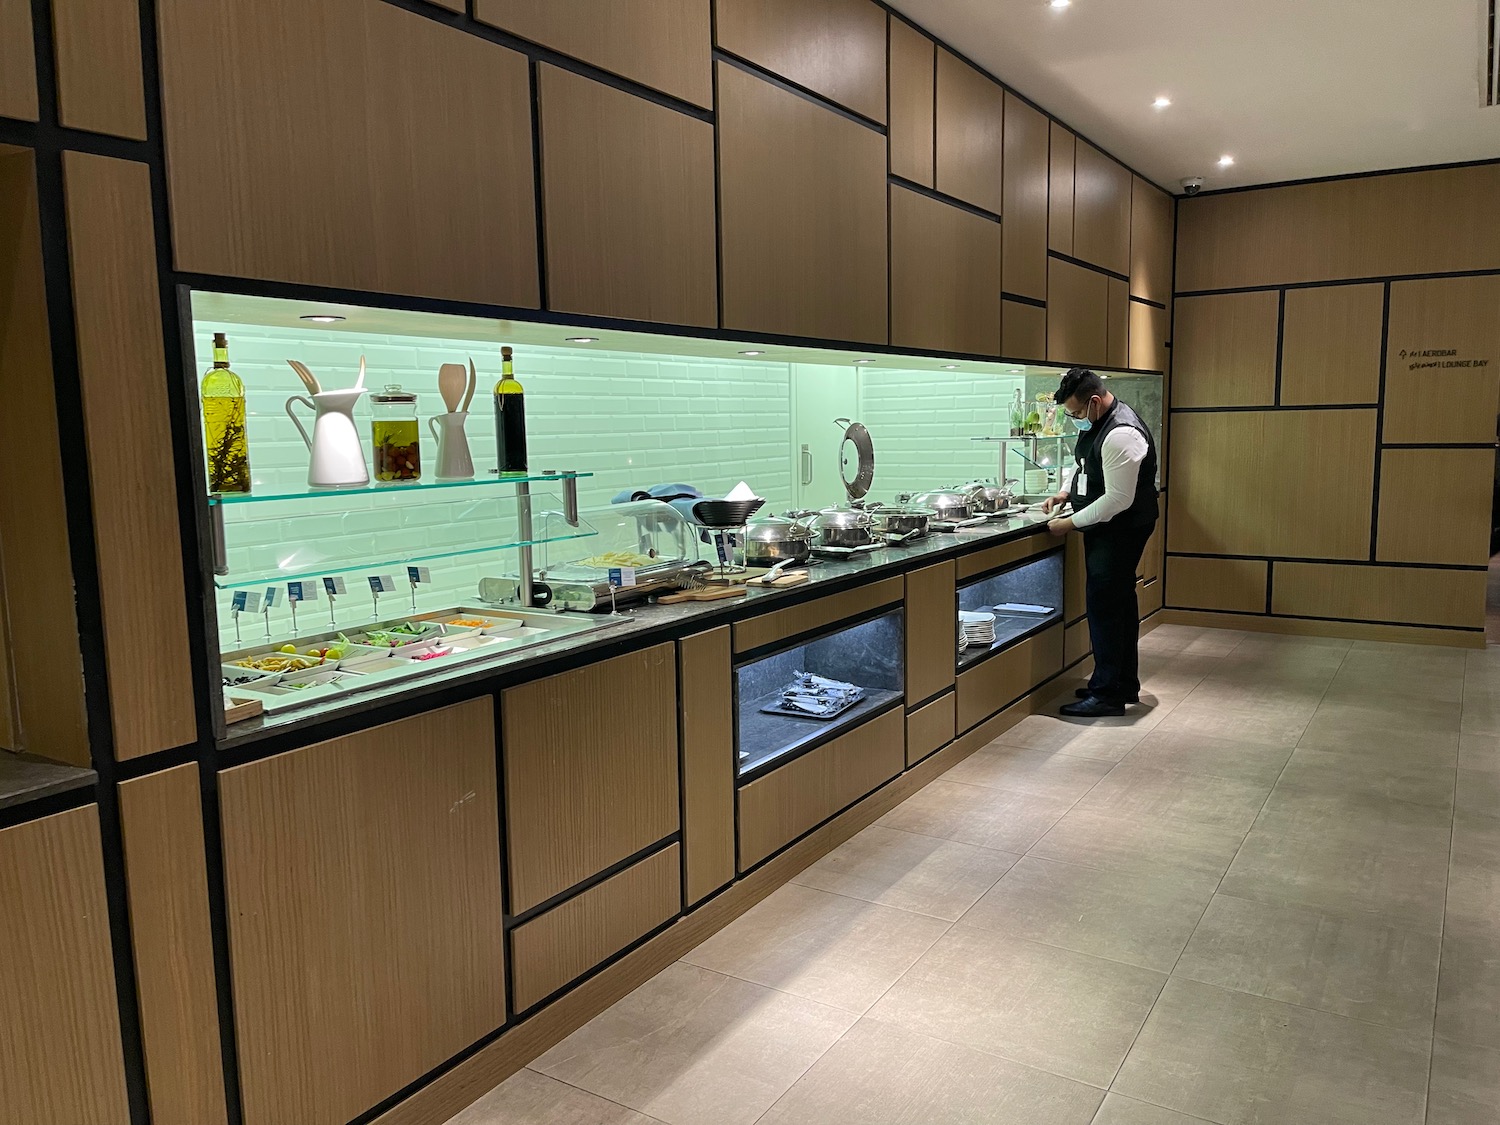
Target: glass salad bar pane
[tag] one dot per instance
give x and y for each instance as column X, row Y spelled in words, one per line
column 997, row 611
column 271, row 495
column 803, row 696
column 340, row 533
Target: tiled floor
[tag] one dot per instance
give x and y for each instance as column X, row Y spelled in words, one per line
column 1270, row 898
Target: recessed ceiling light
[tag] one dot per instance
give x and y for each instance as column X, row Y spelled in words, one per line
column 1225, row 161
column 582, row 339
column 864, row 361
column 949, row 366
column 1162, row 103
column 322, row 318
column 1060, row 4
column 752, row 351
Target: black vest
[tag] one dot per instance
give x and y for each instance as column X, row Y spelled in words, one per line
column 1088, row 451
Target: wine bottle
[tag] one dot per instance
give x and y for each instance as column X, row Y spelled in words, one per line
column 510, row 419
column 224, row 436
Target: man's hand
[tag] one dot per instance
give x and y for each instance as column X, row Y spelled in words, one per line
column 1054, row 502
column 1060, row 527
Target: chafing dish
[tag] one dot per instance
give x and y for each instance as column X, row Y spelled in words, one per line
column 772, row 539
column 901, row 522
column 841, row 527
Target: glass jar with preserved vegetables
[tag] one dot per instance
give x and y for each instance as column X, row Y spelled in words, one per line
column 397, row 441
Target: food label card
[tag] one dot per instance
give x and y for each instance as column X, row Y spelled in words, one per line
column 382, row 584
column 622, row 576
column 273, row 596
column 418, row 574
column 301, row 591
column 245, row 601
column 333, row 586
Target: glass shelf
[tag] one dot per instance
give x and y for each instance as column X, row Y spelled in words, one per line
column 374, row 489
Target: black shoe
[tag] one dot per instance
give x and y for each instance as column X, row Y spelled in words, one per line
column 1092, row 708
column 1085, row 693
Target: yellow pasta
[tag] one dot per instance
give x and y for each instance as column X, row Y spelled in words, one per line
column 618, row 558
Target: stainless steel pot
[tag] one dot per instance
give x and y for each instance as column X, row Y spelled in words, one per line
column 900, row 522
column 773, row 539
column 986, row 498
column 842, row 527
column 948, row 506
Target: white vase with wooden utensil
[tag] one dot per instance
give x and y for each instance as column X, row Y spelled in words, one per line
column 337, row 454
column 454, row 460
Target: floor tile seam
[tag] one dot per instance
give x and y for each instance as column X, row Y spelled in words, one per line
column 1442, row 936
column 890, row 905
column 925, row 836
column 1157, row 1105
column 580, row 1089
column 948, row 926
column 1116, row 870
column 988, row 1051
column 1079, row 866
column 1346, row 915
column 1069, row 949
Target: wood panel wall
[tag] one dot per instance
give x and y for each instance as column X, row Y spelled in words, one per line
column 945, row 276
column 913, row 90
column 162, row 825
column 629, row 204
column 351, row 145
column 1373, row 372
column 835, row 48
column 59, row 1027
column 706, row 709
column 122, row 372
column 97, row 44
column 17, row 61
column 1024, row 179
column 46, row 713
column 800, row 187
column 362, row 878
column 663, row 44
column 969, row 137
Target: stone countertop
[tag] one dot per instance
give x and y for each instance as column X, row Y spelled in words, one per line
column 25, row 777
column 645, row 624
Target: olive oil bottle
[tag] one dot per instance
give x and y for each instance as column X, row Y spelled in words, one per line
column 510, row 419
column 224, row 436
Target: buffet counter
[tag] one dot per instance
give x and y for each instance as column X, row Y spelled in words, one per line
column 636, row 627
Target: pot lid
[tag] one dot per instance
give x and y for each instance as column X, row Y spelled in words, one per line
column 774, row 529
column 856, row 435
column 394, row 393
column 842, row 518
column 941, row 498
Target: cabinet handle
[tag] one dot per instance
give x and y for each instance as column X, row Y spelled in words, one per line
column 807, row 465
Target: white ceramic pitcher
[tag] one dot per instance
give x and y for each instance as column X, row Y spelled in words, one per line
column 454, row 461
column 338, row 456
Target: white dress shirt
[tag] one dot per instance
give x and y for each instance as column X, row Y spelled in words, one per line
column 1123, row 451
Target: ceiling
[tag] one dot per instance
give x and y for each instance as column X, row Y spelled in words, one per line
column 1291, row 88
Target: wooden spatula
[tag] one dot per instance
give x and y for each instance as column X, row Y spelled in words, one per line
column 452, row 381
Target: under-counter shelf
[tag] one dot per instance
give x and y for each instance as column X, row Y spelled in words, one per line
column 1038, row 583
column 869, row 655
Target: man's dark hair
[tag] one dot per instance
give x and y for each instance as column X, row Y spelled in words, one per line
column 1079, row 381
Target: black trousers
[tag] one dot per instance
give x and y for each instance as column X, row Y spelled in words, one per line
column 1111, row 555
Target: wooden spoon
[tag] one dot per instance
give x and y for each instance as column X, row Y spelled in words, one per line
column 451, row 383
column 359, row 386
column 473, row 383
column 309, row 380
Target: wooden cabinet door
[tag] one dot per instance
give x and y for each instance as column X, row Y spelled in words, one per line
column 1063, row 154
column 995, row 683
column 1025, row 199
column 1152, row 236
column 590, row 770
column 1077, row 315
column 59, row 1017
column 1101, row 210
column 931, row 631
column 835, row 48
column 1117, row 319
column 913, row 59
column 707, row 732
column 351, row 145
column 629, row 191
column 970, row 122
column 945, row 276
column 18, row 97
column 362, row 877
column 802, row 215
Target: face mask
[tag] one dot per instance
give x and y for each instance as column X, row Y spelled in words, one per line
column 1084, row 423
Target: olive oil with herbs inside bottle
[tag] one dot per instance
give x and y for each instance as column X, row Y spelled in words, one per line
column 224, row 435
column 510, row 419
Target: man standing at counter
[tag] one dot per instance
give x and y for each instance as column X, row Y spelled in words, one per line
column 1113, row 489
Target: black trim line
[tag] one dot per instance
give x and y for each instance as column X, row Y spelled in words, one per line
column 35, row 808
column 1270, row 570
column 1022, row 299
column 514, row 920
column 1335, row 620
column 1280, row 341
column 951, row 200
column 933, row 698
column 1072, row 261
column 1487, row 445
column 1385, row 345
column 539, row 187
column 1328, row 562
column 1336, row 282
column 1148, row 301
column 1371, row 174
column 754, row 69
column 1272, row 408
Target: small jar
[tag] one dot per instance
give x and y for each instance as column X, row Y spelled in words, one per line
column 397, row 441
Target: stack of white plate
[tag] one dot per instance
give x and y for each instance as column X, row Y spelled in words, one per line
column 975, row 629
